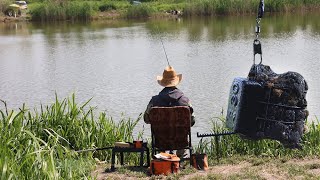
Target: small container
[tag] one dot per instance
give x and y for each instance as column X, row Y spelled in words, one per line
column 137, row 144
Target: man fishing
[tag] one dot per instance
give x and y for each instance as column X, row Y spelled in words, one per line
column 169, row 96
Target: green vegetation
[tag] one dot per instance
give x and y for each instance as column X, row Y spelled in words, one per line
column 139, row 11
column 48, row 10
column 4, row 4
column 40, row 144
column 223, row 7
column 52, row 10
column 234, row 145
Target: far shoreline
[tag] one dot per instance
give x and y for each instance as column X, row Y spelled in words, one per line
column 117, row 15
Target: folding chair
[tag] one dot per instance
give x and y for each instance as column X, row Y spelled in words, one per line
column 170, row 129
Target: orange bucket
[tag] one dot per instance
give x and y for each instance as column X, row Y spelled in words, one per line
column 158, row 167
column 137, row 144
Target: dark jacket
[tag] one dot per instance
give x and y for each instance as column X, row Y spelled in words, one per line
column 168, row 97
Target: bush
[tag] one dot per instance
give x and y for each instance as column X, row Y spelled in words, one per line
column 52, row 11
column 139, row 11
column 4, row 4
column 107, row 7
column 39, row 144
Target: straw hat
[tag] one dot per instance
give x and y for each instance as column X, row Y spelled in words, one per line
column 169, row 77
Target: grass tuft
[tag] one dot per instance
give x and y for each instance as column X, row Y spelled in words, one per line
column 234, row 145
column 139, row 11
column 40, row 144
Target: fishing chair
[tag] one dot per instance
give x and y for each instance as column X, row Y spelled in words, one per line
column 171, row 129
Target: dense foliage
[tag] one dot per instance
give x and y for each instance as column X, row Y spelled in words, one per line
column 40, row 144
column 4, row 4
column 48, row 10
column 235, row 145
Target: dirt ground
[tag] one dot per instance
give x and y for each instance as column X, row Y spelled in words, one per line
column 9, row 19
column 6, row 19
column 269, row 169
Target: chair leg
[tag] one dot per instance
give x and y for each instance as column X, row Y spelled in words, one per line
column 153, row 153
column 190, row 150
column 148, row 157
column 113, row 160
column 141, row 158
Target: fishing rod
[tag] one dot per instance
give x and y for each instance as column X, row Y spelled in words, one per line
column 85, row 150
column 164, row 49
column 95, row 149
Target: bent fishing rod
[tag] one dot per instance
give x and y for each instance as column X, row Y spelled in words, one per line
column 164, row 49
column 95, row 149
column 87, row 150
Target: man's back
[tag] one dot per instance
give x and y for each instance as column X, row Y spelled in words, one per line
column 170, row 96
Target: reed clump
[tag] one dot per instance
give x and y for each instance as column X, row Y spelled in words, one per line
column 108, row 5
column 4, row 4
column 139, row 11
column 234, row 145
column 40, row 144
column 49, row 10
column 52, row 10
column 230, row 7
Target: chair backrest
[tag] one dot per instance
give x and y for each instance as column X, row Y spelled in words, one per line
column 170, row 127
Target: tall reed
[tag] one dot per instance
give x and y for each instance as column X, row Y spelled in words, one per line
column 40, row 144
column 223, row 7
column 108, row 5
column 4, row 4
column 139, row 11
column 234, row 145
column 51, row 10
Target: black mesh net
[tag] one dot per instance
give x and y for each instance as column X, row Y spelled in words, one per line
column 283, row 113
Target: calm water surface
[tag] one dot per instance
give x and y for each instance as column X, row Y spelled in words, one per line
column 117, row 62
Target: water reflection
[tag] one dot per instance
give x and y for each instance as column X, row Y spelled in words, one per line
column 116, row 62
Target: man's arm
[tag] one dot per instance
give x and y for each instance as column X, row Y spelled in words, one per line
column 146, row 113
column 184, row 101
column 193, row 119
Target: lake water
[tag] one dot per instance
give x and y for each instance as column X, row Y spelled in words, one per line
column 117, row 62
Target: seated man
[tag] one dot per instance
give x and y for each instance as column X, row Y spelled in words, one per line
column 169, row 96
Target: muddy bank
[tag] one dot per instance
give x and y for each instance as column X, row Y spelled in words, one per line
column 5, row 19
column 101, row 16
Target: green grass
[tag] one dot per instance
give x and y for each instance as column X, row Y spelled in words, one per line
column 39, row 144
column 49, row 10
column 225, row 7
column 139, row 11
column 4, row 4
column 108, row 5
column 234, row 145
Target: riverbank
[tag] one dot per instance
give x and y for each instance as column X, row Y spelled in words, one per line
column 101, row 16
column 53, row 10
column 229, row 168
column 6, row 19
